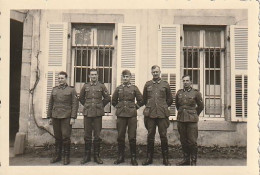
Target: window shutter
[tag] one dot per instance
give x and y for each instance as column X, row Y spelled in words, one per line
column 239, row 78
column 169, row 59
column 56, row 59
column 128, row 50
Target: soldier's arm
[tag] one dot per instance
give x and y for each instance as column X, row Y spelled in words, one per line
column 145, row 94
column 176, row 100
column 107, row 97
column 115, row 98
column 169, row 97
column 82, row 95
column 50, row 106
column 75, row 104
column 139, row 98
column 200, row 104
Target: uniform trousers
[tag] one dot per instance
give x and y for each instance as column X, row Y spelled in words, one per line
column 61, row 128
column 92, row 124
column 188, row 136
column 126, row 122
column 150, row 125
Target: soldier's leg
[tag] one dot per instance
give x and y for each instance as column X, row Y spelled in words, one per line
column 192, row 136
column 88, row 139
column 182, row 129
column 97, row 125
column 132, row 126
column 163, row 124
column 150, row 125
column 66, row 133
column 121, row 124
column 56, row 123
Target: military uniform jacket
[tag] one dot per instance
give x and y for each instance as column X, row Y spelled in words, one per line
column 157, row 98
column 124, row 100
column 94, row 97
column 63, row 102
column 189, row 104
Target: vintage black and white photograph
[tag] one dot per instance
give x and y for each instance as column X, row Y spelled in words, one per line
column 130, row 88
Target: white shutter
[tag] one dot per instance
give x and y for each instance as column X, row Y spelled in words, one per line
column 56, row 59
column 239, row 78
column 169, row 59
column 128, row 50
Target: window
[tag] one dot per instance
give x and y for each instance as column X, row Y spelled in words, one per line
column 92, row 47
column 203, row 55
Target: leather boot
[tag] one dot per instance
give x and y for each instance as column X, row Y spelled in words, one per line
column 185, row 160
column 87, row 154
column 120, row 154
column 66, row 157
column 133, row 153
column 57, row 154
column 164, row 147
column 97, row 152
column 149, row 155
column 194, row 155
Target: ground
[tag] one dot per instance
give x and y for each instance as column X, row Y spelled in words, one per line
column 217, row 156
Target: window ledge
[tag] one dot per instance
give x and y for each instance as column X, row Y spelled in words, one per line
column 213, row 125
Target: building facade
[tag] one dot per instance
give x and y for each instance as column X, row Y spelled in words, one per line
column 209, row 45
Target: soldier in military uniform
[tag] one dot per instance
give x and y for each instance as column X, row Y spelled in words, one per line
column 94, row 96
column 62, row 112
column 124, row 100
column 189, row 104
column 157, row 98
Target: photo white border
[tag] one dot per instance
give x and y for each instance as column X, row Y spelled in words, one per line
column 252, row 167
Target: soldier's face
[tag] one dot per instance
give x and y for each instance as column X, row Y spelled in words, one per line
column 126, row 78
column 156, row 72
column 186, row 82
column 93, row 76
column 62, row 79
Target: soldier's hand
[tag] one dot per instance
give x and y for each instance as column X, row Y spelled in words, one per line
column 72, row 121
column 50, row 121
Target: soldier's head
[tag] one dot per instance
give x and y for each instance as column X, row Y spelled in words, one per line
column 93, row 75
column 126, row 76
column 187, row 81
column 156, row 72
column 62, row 78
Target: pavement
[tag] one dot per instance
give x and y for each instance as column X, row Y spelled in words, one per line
column 21, row 160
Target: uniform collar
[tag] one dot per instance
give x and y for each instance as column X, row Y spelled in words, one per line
column 93, row 83
column 188, row 90
column 63, row 86
column 157, row 81
column 128, row 84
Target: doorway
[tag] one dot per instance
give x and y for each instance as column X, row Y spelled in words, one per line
column 16, row 45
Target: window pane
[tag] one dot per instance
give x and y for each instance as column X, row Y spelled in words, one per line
column 83, row 55
column 82, row 75
column 213, row 106
column 104, row 59
column 191, row 58
column 212, row 38
column 104, row 36
column 212, row 59
column 191, row 38
column 82, row 34
column 213, row 77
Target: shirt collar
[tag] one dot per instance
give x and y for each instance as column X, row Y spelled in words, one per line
column 93, row 83
column 128, row 84
column 157, row 80
column 188, row 90
column 63, row 86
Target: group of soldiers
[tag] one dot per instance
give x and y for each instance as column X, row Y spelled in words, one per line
column 94, row 96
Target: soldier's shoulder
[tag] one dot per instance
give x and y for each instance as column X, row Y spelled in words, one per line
column 165, row 82
column 180, row 90
column 149, row 82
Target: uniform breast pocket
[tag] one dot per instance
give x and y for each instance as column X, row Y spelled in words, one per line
column 99, row 92
column 87, row 92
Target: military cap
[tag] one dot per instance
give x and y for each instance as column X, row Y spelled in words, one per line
column 126, row 72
